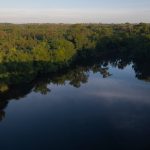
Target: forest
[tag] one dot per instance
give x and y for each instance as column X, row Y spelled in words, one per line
column 28, row 51
column 35, row 55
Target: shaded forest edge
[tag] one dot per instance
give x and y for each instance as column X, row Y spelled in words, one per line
column 33, row 50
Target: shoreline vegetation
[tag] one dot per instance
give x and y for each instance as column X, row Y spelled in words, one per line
column 28, row 51
column 35, row 55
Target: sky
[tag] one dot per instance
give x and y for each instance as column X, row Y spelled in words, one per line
column 74, row 11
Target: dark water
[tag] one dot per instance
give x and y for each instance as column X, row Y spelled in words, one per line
column 102, row 113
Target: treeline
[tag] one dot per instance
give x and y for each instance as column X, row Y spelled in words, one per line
column 59, row 43
column 43, row 48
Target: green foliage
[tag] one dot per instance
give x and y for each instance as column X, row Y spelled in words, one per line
column 40, row 52
column 43, row 48
column 63, row 51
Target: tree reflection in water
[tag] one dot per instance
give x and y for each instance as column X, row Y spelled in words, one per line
column 76, row 75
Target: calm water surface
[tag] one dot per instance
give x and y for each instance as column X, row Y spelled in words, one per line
column 103, row 113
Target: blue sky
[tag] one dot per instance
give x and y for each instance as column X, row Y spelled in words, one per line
column 74, row 11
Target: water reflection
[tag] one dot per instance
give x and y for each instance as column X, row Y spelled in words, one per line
column 75, row 76
column 99, row 105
